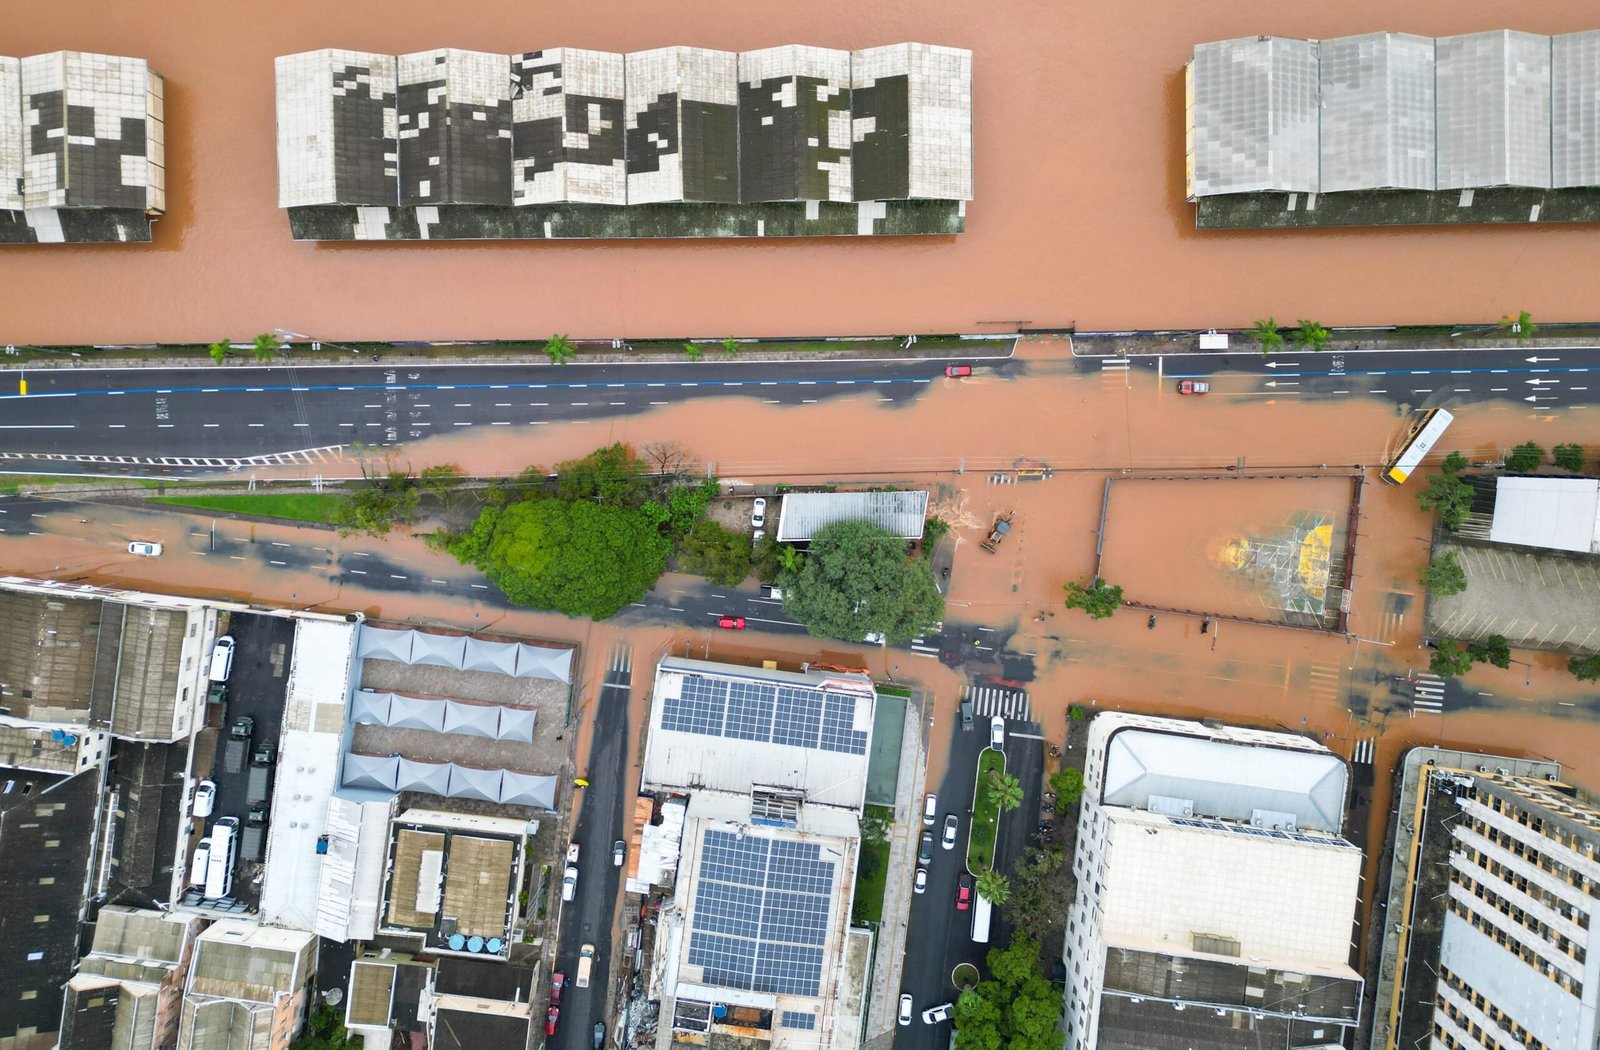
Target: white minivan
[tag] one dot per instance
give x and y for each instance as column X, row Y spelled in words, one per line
column 222, row 658
column 201, row 864
column 224, row 852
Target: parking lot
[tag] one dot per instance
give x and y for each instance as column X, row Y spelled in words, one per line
column 257, row 687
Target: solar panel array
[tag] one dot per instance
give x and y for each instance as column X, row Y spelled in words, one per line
column 761, row 910
column 795, row 1019
column 765, row 712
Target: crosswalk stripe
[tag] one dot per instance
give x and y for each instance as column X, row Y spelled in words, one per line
column 988, row 701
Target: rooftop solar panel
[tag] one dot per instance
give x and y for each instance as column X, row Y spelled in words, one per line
column 765, row 712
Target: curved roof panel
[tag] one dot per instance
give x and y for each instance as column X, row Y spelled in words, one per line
column 383, row 644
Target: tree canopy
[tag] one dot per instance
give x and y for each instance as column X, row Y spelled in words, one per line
column 1018, row 1009
column 719, row 554
column 857, row 580
column 606, row 475
column 577, row 557
column 1099, row 599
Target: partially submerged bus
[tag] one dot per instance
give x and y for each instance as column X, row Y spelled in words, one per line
column 1426, row 434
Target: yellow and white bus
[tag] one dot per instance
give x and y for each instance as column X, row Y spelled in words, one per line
column 1426, row 435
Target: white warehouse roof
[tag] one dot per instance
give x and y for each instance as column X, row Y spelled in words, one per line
column 803, row 514
column 1560, row 514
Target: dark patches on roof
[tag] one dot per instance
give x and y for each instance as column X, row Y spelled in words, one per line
column 777, row 161
column 881, row 164
column 653, row 134
column 45, row 848
column 89, row 1018
column 710, row 147
column 81, row 226
column 466, row 1030
column 148, row 780
column 47, row 655
column 506, row 982
column 364, row 165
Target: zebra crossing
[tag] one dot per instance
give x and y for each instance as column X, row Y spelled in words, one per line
column 1115, row 364
column 1427, row 694
column 325, row 454
column 1363, row 752
column 1327, row 682
column 622, row 658
column 988, row 700
column 922, row 647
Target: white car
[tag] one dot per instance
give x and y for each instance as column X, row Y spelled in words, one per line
column 619, row 850
column 951, row 823
column 145, row 549
column 935, row 1014
column 569, row 883
column 997, row 733
column 905, row 1009
column 920, row 883
column 930, row 810
column 758, row 513
column 205, row 798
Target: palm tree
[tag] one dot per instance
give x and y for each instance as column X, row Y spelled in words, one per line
column 1311, row 335
column 264, row 346
column 789, row 558
column 219, row 350
column 994, row 887
column 1005, row 791
column 693, row 350
column 730, row 346
column 1521, row 326
column 1266, row 333
column 559, row 349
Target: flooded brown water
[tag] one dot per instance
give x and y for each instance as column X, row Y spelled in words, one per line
column 1079, row 215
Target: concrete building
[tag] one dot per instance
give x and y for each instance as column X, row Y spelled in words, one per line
column 128, row 990
column 474, row 1004
column 669, row 142
column 903, row 513
column 1377, row 112
column 1493, row 110
column 386, row 991
column 249, row 986
column 82, row 148
column 1496, row 885
column 1252, row 116
column 1216, row 897
column 452, row 882
column 774, row 765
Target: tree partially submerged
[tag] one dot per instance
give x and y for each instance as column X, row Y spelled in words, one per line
column 856, row 580
column 1445, row 576
column 1525, row 458
column 1099, row 599
column 1451, row 496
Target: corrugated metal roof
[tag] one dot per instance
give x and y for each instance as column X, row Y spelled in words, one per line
column 1560, row 514
column 1377, row 112
column 1255, row 116
column 1494, row 110
column 804, row 513
column 1575, row 109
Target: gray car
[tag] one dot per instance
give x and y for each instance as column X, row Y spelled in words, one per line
column 925, row 854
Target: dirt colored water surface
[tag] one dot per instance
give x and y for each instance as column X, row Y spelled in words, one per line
column 1078, row 217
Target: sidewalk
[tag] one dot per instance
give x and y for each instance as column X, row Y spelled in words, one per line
column 1343, row 341
column 889, row 958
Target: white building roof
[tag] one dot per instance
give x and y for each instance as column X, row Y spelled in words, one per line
column 1493, row 110
column 1254, row 118
column 903, row 513
column 306, row 776
column 1560, row 514
column 1377, row 112
column 723, row 727
column 1286, row 902
column 1222, row 778
column 1575, row 109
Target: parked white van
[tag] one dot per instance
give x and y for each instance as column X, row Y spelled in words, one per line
column 200, row 865
column 224, row 851
column 222, row 658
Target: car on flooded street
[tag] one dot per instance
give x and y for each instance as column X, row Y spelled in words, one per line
column 731, row 623
column 1193, row 386
column 958, row 371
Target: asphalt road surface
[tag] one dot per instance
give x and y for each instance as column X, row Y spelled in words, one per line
column 591, row 917
column 186, row 420
column 939, row 938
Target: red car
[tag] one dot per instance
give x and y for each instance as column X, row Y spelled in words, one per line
column 957, row 371
column 964, row 892
column 1193, row 386
column 558, row 982
column 551, row 1018
column 731, row 623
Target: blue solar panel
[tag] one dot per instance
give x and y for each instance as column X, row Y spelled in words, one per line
column 761, row 913
column 796, row 1019
column 743, row 710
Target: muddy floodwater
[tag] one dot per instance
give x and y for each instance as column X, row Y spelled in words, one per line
column 1078, row 217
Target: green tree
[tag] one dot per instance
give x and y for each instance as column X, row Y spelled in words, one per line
column 994, row 887
column 1004, row 791
column 1099, row 599
column 1525, row 458
column 717, row 553
column 1585, row 668
column 324, row 1030
column 1492, row 650
column 1445, row 576
column 264, row 346
column 977, row 1019
column 378, row 506
column 694, row 351
column 1041, row 893
column 1454, row 463
column 1451, row 659
column 790, row 558
column 559, row 349
column 1068, row 786
column 934, row 530
column 730, row 346
column 1520, row 326
column 1569, row 457
column 1311, row 335
column 1266, row 333
column 1450, row 495
column 857, row 580
column 606, row 475
column 687, row 504
column 219, row 351
column 1012, row 965
column 1035, row 1015
column 580, row 558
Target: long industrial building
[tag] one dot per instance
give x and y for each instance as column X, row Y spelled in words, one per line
column 670, row 142
column 82, row 148
column 1395, row 128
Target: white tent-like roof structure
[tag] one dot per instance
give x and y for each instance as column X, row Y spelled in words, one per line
column 471, row 719
column 535, row 661
column 466, row 782
column 409, row 712
column 369, row 771
column 371, row 707
column 496, row 657
column 466, row 653
column 439, row 650
column 516, row 723
column 383, row 644
column 491, row 721
column 525, row 790
column 1560, row 514
column 432, row 777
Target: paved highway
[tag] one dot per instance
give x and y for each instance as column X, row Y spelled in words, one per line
column 192, row 421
